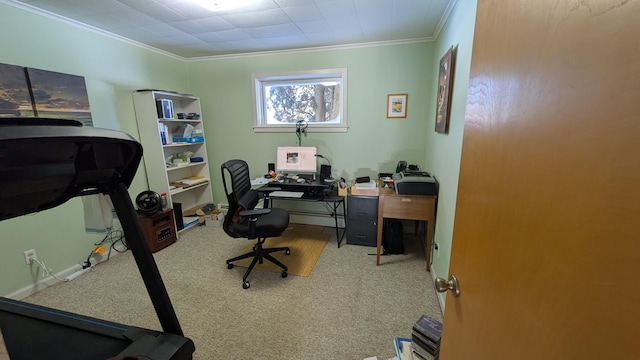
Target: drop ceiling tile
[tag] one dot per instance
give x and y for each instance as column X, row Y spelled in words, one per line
column 104, row 21
column 273, row 31
column 314, row 27
column 162, row 30
column 134, row 17
column 240, row 44
column 210, row 37
column 158, row 12
column 283, row 42
column 189, row 10
column 181, row 39
column 214, row 23
column 291, row 3
column 336, row 8
column 233, row 35
column 303, row 13
column 257, row 18
column 188, row 27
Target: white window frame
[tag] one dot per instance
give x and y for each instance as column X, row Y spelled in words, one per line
column 258, row 86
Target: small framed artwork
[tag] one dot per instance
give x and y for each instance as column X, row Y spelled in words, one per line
column 397, row 105
column 445, row 86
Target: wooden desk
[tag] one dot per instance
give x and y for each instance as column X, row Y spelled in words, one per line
column 409, row 207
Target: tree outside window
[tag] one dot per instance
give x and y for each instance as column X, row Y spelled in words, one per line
column 316, row 97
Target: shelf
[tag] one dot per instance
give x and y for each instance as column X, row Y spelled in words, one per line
column 187, row 227
column 187, row 166
column 160, row 176
column 180, row 120
column 171, row 95
column 182, row 144
column 183, row 189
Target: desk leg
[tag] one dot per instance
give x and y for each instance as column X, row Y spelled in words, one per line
column 334, row 208
column 335, row 217
column 380, row 222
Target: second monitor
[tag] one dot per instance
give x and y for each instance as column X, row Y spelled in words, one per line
column 296, row 159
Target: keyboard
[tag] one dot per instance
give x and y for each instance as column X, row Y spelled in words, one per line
column 287, row 194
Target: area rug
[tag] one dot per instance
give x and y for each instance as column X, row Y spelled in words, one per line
column 306, row 243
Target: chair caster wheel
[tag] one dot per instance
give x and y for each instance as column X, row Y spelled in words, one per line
column 284, row 273
column 229, row 266
column 245, row 285
column 287, row 252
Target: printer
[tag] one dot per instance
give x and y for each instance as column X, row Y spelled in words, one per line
column 415, row 183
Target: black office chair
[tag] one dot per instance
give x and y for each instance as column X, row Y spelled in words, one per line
column 244, row 221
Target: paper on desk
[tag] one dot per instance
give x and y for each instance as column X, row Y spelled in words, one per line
column 259, row 181
column 370, row 185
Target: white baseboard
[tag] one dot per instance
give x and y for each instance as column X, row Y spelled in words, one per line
column 442, row 297
column 50, row 280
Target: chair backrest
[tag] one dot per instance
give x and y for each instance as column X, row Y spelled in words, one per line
column 237, row 187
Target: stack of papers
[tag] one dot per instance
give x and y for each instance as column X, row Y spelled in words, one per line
column 192, row 180
column 370, row 185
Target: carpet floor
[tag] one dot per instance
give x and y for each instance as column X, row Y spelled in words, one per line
column 347, row 308
column 306, row 243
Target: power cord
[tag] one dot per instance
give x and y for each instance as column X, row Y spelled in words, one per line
column 46, row 271
column 111, row 239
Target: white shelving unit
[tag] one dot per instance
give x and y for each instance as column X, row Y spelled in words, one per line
column 160, row 175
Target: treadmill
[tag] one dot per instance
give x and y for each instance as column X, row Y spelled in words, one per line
column 43, row 164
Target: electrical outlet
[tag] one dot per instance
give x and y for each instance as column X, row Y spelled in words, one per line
column 30, row 256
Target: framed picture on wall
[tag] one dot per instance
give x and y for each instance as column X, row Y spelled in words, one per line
column 445, row 86
column 61, row 96
column 14, row 92
column 397, row 105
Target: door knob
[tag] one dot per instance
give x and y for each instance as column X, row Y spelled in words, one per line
column 443, row 285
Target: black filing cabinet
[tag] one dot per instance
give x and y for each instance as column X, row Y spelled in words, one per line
column 362, row 217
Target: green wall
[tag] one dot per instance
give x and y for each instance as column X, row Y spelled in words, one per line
column 443, row 151
column 112, row 70
column 373, row 143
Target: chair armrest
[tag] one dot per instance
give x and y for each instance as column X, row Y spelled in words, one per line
column 253, row 216
column 254, row 213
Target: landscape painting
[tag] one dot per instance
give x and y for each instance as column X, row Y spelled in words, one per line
column 15, row 99
column 60, row 96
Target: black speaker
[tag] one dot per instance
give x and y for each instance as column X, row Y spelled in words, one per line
column 272, row 167
column 148, row 202
column 325, row 172
column 177, row 210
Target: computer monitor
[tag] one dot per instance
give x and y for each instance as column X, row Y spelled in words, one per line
column 296, row 159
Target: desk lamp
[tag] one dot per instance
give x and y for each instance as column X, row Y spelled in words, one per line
column 301, row 128
column 325, row 170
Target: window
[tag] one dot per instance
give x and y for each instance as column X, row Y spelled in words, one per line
column 318, row 98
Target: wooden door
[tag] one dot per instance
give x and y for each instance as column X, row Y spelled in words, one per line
column 546, row 242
